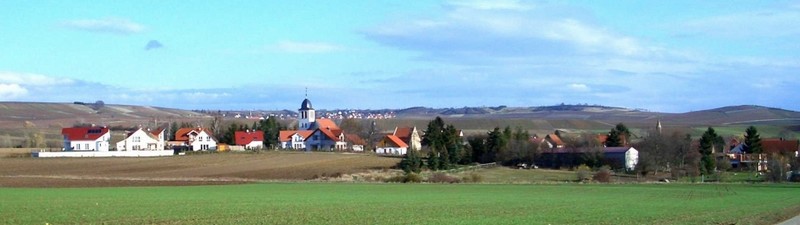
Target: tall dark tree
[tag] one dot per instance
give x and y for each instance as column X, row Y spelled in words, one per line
column 624, row 132
column 477, row 145
column 411, row 162
column 271, row 128
column 443, row 142
column 614, row 138
column 495, row 144
column 752, row 141
column 708, row 145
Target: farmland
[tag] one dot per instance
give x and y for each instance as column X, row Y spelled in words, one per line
column 220, row 168
column 347, row 203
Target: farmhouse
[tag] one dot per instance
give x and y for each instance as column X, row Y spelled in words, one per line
column 142, row 140
column 391, row 145
column 250, row 139
column 86, row 138
column 410, row 136
column 553, row 141
column 293, row 139
column 196, row 138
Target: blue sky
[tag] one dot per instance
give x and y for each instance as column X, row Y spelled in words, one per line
column 671, row 56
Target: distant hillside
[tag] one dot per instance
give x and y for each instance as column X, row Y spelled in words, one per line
column 15, row 114
column 731, row 115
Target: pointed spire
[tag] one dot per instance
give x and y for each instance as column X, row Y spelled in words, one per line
column 658, row 126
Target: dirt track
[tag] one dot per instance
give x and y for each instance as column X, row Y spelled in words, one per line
column 222, row 168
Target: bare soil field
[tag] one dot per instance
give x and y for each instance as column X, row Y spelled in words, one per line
column 201, row 169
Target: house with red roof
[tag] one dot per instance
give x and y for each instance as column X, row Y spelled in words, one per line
column 142, row 140
column 86, row 138
column 391, row 145
column 196, row 138
column 325, row 139
column 410, row 136
column 250, row 139
column 293, row 139
column 553, row 141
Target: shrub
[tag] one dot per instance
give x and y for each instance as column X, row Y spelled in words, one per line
column 603, row 175
column 442, row 178
column 473, row 178
column 406, row 178
column 583, row 173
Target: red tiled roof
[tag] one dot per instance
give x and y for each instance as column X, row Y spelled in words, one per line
column 156, row 132
column 354, row 139
column 555, row 139
column 403, row 132
column 326, row 124
column 246, row 137
column 330, row 133
column 394, row 141
column 779, row 145
column 602, row 138
column 180, row 135
column 83, row 133
column 286, row 135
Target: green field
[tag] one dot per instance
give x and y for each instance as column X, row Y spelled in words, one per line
column 344, row 203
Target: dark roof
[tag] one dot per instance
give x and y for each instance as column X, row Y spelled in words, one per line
column 306, row 105
column 779, row 145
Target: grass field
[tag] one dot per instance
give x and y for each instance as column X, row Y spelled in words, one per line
column 326, row 203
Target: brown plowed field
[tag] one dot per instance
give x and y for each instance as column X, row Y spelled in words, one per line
column 203, row 169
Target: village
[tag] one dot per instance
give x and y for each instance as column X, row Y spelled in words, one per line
column 323, row 134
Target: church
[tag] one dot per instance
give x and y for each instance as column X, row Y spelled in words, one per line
column 313, row 134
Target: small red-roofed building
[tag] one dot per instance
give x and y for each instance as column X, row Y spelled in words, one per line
column 391, row 145
column 410, row 136
column 293, row 139
column 86, row 139
column 250, row 139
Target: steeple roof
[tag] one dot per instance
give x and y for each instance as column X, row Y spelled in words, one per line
column 306, row 105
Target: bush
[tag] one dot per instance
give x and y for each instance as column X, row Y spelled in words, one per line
column 603, row 175
column 583, row 173
column 443, row 178
column 406, row 178
column 473, row 178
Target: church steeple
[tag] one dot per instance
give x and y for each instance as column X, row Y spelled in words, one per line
column 307, row 114
column 658, row 126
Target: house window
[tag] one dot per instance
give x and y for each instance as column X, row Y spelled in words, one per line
column 137, row 139
column 208, row 138
column 87, row 146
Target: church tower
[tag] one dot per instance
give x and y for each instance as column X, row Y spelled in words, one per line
column 307, row 115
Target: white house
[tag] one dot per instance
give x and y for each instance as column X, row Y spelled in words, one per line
column 410, row 136
column 294, row 139
column 326, row 139
column 142, row 140
column 197, row 138
column 391, row 145
column 86, row 138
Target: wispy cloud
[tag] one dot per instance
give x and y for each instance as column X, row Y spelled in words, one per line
column 305, row 47
column 110, row 25
column 550, row 53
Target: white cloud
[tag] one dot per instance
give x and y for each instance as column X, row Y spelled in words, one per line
column 762, row 23
column 29, row 79
column 491, row 5
column 11, row 91
column 111, row 25
column 579, row 87
column 306, row 47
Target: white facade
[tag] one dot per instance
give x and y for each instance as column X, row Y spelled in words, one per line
column 307, row 116
column 202, row 141
column 255, row 145
column 631, row 158
column 391, row 150
column 141, row 140
column 104, row 154
column 297, row 141
column 100, row 144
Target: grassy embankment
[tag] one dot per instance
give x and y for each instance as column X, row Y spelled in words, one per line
column 325, row 203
